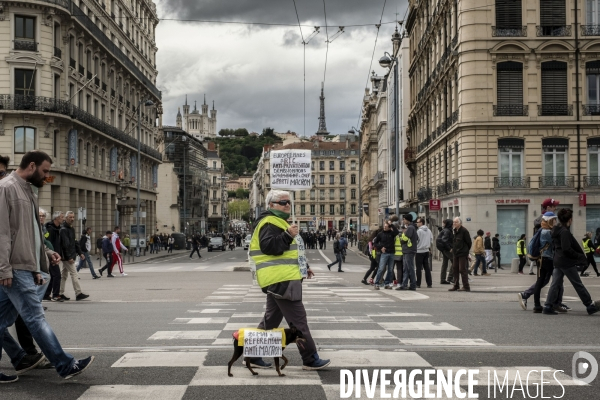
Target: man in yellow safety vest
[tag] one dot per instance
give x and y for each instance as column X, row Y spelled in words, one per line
column 274, row 251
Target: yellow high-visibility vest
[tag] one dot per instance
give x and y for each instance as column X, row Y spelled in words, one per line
column 407, row 240
column 274, row 269
column 521, row 252
column 586, row 246
column 398, row 246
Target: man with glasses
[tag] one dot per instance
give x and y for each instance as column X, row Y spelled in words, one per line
column 274, row 251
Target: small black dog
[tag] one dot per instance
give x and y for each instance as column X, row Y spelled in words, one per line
column 292, row 335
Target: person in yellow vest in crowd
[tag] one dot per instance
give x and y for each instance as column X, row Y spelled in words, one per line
column 589, row 249
column 371, row 252
column 274, row 251
column 521, row 252
column 398, row 257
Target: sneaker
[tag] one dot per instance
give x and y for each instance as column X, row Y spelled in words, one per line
column 123, row 274
column 445, row 283
column 429, row 286
column 591, row 309
column 559, row 309
column 486, row 274
column 316, row 365
column 28, row 363
column 57, row 298
column 376, row 287
column 96, row 277
column 65, row 298
column 522, row 301
column 400, row 288
column 47, row 298
column 522, row 273
column 260, row 363
column 82, row 296
column 8, row 378
column 110, row 276
column 79, row 367
column 364, row 282
column 538, row 309
column 532, row 273
column 388, row 287
column 549, row 311
column 566, row 307
column 45, row 365
column 339, row 270
column 412, row 288
column 463, row 290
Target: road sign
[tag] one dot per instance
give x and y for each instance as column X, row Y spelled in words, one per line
column 435, row 205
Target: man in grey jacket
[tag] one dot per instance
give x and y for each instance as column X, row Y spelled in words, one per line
column 409, row 240
column 24, row 262
column 423, row 251
column 70, row 252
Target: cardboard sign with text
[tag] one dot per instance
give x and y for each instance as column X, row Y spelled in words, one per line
column 291, row 169
column 258, row 343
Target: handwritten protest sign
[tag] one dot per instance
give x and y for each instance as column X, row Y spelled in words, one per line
column 258, row 343
column 291, row 169
column 302, row 261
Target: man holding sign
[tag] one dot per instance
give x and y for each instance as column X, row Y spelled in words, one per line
column 274, row 251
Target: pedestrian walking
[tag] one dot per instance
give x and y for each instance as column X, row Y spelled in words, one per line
column 117, row 246
column 274, row 250
column 107, row 250
column 589, row 249
column 371, row 253
column 444, row 244
column 195, row 246
column 337, row 251
column 385, row 244
column 410, row 241
column 522, row 253
column 423, row 252
column 70, row 252
column 398, row 262
column 126, row 242
column 85, row 244
column 487, row 247
column 24, row 262
column 171, row 242
column 567, row 256
column 99, row 246
column 479, row 251
column 460, row 252
column 547, row 261
column 52, row 235
column 496, row 252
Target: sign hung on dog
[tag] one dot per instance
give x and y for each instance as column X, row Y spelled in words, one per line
column 291, row 169
column 259, row 343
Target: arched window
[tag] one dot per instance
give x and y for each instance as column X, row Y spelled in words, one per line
column 24, row 139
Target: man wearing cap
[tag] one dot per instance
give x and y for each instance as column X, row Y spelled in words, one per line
column 548, row 205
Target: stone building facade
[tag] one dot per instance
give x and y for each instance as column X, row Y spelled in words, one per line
column 217, row 191
column 504, row 111
column 75, row 74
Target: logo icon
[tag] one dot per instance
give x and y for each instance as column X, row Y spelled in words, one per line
column 583, row 364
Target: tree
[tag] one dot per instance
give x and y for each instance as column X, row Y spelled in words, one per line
column 269, row 132
column 242, row 193
column 241, row 132
column 238, row 208
column 231, row 194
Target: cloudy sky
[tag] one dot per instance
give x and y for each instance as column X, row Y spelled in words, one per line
column 254, row 73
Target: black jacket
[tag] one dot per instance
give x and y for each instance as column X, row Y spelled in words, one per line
column 69, row 245
column 495, row 244
column 487, row 243
column 567, row 251
column 53, row 237
column 387, row 239
column 336, row 247
column 462, row 242
column 445, row 238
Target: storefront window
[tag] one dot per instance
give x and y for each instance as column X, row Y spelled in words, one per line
column 592, row 222
column 512, row 223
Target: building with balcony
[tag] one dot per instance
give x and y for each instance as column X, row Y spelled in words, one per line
column 217, row 191
column 188, row 158
column 77, row 76
column 333, row 201
column 504, row 101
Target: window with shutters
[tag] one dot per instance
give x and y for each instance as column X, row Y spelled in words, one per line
column 510, row 163
column 555, row 163
column 592, row 18
column 509, row 19
column 509, row 89
column 554, row 89
column 592, row 74
column 553, row 18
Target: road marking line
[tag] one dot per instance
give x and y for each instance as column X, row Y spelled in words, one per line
column 444, row 342
column 128, row 392
column 398, row 314
column 373, row 358
column 200, row 320
column 161, row 359
column 185, row 335
column 209, row 376
column 324, row 257
column 352, row 334
column 418, row 326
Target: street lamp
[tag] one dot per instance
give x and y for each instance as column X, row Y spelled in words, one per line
column 386, row 62
column 353, row 131
column 147, row 103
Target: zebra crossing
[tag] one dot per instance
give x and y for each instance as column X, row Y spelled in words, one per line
column 206, row 265
column 366, row 335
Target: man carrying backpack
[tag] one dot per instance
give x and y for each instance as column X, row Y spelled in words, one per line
column 444, row 244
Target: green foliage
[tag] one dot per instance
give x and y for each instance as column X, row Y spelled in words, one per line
column 231, row 194
column 242, row 193
column 240, row 155
column 234, row 132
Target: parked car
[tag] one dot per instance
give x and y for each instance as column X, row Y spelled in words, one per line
column 216, row 243
column 247, row 242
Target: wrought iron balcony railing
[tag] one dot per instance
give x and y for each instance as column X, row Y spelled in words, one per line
column 97, row 81
column 556, row 181
column 72, row 63
column 424, row 194
column 57, row 52
column 51, row 105
column 81, row 69
column 455, row 186
column 554, row 30
column 25, row 45
column 514, row 182
column 104, row 86
column 511, row 110
column 591, row 109
column 591, row 181
column 590, row 30
column 555, row 109
column 509, row 32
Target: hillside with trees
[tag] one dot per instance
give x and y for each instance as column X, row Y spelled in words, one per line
column 240, row 154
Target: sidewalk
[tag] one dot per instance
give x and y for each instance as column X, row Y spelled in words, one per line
column 129, row 260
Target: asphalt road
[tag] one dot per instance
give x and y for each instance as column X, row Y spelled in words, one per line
column 164, row 332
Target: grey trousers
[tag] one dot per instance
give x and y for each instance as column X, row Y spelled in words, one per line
column 573, row 276
column 447, row 258
column 295, row 314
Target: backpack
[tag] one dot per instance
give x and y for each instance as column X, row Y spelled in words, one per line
column 439, row 242
column 366, row 251
column 534, row 249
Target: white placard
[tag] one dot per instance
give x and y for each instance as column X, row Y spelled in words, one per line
column 291, row 169
column 259, row 343
column 302, row 262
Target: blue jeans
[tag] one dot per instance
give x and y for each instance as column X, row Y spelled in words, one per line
column 338, row 260
column 23, row 298
column 89, row 263
column 409, row 271
column 386, row 263
column 480, row 259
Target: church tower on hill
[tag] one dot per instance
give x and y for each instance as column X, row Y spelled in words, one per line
column 200, row 125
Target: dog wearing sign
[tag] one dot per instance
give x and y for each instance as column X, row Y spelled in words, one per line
column 290, row 335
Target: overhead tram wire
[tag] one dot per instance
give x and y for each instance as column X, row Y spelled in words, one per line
column 304, row 62
column 327, row 41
